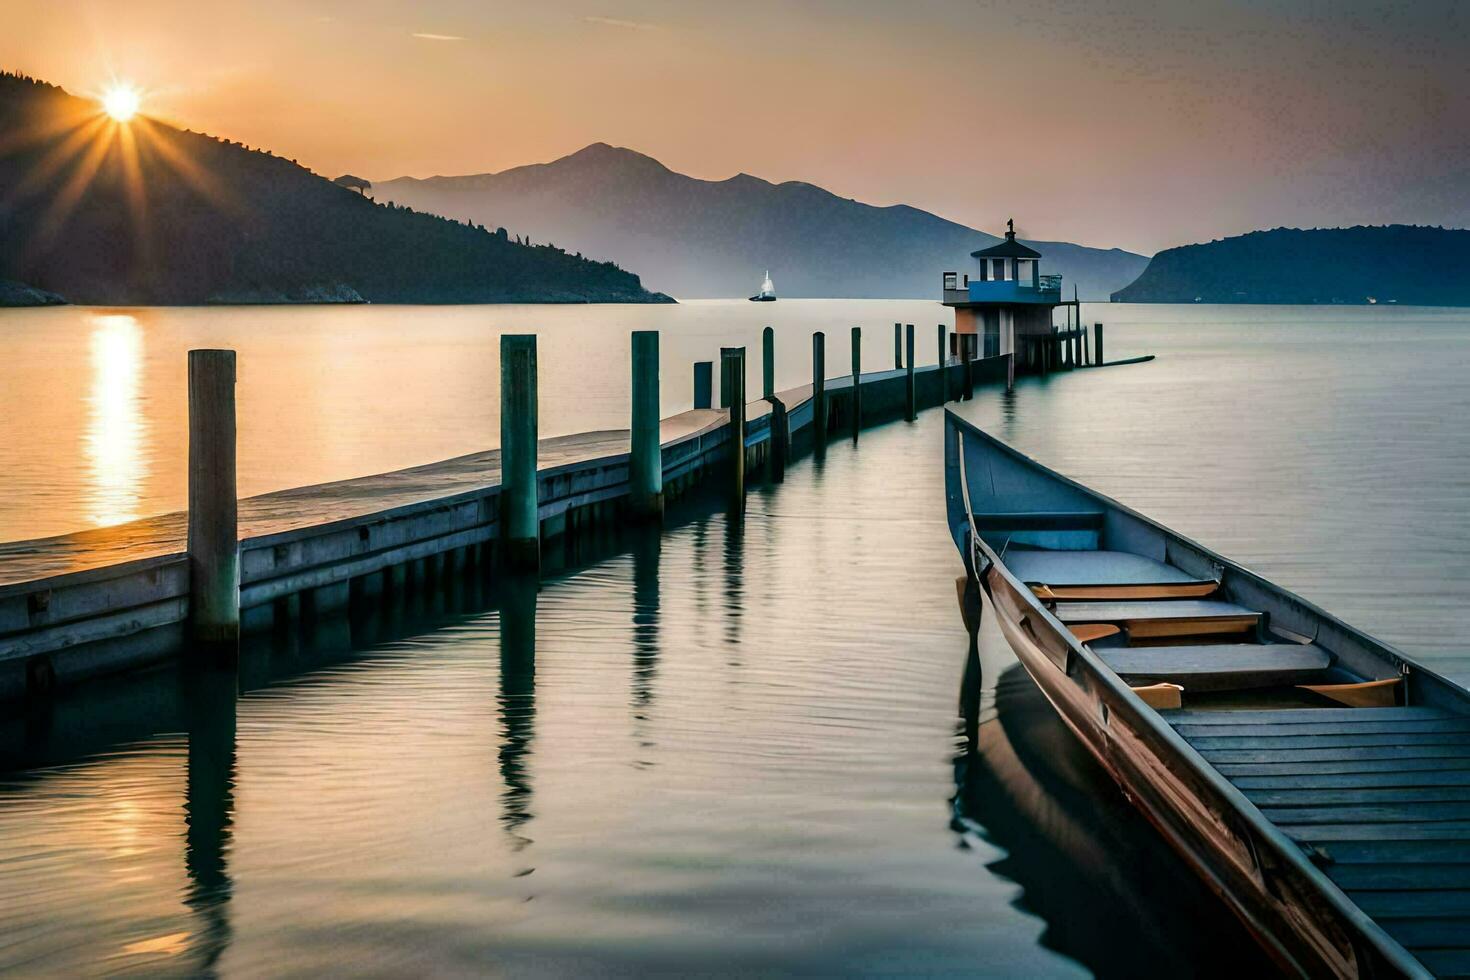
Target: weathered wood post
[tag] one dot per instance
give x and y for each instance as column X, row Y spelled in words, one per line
column 897, row 346
column 943, row 370
column 857, row 380
column 214, row 539
column 732, row 380
column 819, row 386
column 520, row 525
column 1097, row 352
column 645, row 461
column 780, row 441
column 1086, row 348
column 909, row 377
column 768, row 363
column 703, row 383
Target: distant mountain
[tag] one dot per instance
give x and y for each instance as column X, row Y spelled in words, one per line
column 1403, row 264
column 700, row 238
column 102, row 213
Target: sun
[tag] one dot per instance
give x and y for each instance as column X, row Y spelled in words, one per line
column 121, row 102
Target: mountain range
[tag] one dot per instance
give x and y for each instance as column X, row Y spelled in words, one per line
column 710, row 238
column 1403, row 264
column 142, row 213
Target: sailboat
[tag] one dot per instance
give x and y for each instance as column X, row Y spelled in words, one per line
column 768, row 291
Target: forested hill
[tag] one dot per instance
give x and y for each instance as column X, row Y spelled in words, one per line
column 701, row 238
column 144, row 213
column 1403, row 264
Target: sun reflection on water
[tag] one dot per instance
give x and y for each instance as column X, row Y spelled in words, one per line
column 116, row 425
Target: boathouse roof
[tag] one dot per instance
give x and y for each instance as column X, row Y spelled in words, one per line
column 1008, row 249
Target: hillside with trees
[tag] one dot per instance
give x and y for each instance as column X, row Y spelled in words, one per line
column 1403, row 264
column 140, row 213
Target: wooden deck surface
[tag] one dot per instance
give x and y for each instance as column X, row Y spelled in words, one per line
column 1379, row 798
column 284, row 510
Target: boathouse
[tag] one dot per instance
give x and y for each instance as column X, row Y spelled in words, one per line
column 1004, row 304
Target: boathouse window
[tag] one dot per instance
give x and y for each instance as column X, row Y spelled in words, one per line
column 1023, row 270
column 1000, row 269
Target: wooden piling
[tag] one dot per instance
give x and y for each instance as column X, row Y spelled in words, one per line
column 819, row 386
column 897, row 346
column 214, row 540
column 703, row 383
column 768, row 363
column 943, row 373
column 520, row 527
column 645, row 463
column 857, row 379
column 1086, row 348
column 780, row 448
column 1097, row 348
column 909, row 378
column 732, row 380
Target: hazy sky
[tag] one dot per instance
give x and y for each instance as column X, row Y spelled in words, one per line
column 1126, row 122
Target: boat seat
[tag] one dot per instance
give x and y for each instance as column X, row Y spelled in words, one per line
column 1150, row 619
column 1083, row 575
column 1219, row 667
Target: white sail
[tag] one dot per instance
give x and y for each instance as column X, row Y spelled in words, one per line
column 767, row 288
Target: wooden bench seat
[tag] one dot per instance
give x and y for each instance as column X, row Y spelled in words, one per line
column 1099, row 575
column 1164, row 618
column 1219, row 667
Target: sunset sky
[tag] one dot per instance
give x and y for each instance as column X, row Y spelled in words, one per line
column 1133, row 123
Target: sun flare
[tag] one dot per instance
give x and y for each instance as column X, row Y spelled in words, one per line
column 121, row 102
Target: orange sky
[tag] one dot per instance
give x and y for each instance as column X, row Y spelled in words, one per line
column 1138, row 123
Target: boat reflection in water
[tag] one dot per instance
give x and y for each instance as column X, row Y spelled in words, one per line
column 1112, row 896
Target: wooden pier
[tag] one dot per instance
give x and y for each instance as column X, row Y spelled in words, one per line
column 99, row 601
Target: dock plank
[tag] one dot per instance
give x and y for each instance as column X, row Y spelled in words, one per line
column 1300, row 796
column 1445, row 962
column 1408, row 876
column 1451, row 932
column 1448, row 830
column 1342, row 754
column 1345, row 740
column 1391, row 778
column 1368, row 725
column 1410, row 812
column 1382, row 905
column 1312, row 767
column 1398, row 852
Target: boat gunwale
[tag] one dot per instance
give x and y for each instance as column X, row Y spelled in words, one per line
column 1286, row 849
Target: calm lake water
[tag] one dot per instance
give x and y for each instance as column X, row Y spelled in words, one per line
column 733, row 749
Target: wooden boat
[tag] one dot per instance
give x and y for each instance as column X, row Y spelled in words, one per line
column 1316, row 778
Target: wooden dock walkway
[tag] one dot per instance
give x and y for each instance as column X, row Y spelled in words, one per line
column 1377, row 798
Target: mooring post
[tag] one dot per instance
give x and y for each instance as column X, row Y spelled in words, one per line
column 819, row 386
column 520, row 525
column 768, row 363
column 1097, row 352
column 857, row 380
column 909, row 377
column 732, row 380
column 214, row 540
column 645, row 462
column 897, row 346
column 703, row 383
column 780, row 442
column 1086, row 348
column 943, row 370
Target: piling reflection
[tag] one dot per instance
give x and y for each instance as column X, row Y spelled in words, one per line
column 517, row 700
column 209, row 806
column 734, row 591
column 647, row 550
